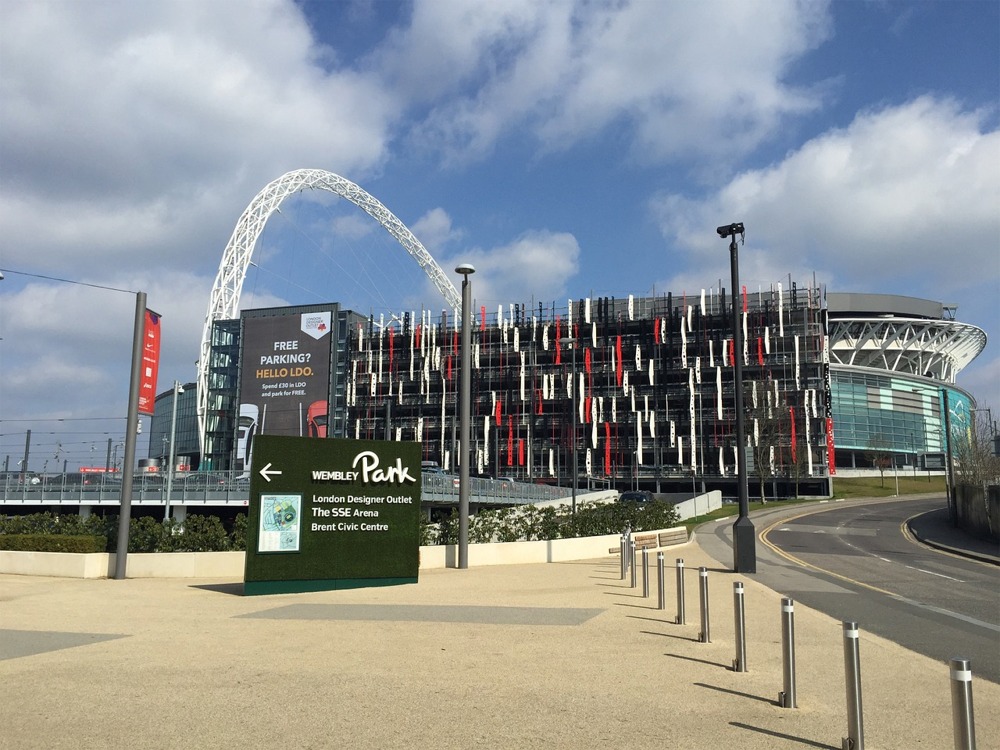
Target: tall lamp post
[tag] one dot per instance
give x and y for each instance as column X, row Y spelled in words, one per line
column 744, row 538
column 178, row 390
column 465, row 399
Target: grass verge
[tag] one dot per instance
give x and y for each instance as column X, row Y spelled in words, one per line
column 847, row 488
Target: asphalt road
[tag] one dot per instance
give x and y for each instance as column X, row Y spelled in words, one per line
column 855, row 561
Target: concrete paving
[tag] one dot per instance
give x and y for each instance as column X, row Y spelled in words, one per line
column 562, row 655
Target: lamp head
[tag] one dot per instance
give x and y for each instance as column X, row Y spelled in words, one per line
column 465, row 269
column 729, row 230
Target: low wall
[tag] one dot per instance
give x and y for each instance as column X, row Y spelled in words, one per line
column 60, row 564
column 978, row 511
column 699, row 506
column 231, row 564
column 582, row 496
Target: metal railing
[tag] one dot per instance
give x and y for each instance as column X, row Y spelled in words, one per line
column 233, row 488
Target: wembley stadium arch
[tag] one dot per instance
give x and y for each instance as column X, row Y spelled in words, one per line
column 225, row 299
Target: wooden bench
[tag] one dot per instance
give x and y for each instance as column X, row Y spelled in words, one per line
column 652, row 541
column 646, row 541
column 673, row 536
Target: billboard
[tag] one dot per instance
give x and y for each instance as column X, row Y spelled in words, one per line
column 332, row 514
column 284, row 378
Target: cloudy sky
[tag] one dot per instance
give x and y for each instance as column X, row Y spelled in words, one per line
column 566, row 149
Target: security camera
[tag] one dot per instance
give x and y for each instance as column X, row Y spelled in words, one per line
column 730, row 229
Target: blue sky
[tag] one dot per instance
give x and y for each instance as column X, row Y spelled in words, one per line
column 566, row 149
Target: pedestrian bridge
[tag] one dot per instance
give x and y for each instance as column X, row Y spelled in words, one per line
column 222, row 489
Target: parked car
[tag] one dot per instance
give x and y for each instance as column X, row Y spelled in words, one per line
column 430, row 467
column 636, row 496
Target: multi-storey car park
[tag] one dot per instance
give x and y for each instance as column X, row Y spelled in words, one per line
column 641, row 388
column 635, row 392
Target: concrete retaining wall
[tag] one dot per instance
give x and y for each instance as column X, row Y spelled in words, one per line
column 699, row 506
column 231, row 564
column 978, row 512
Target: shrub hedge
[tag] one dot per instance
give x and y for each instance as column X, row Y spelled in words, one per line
column 52, row 543
column 530, row 523
column 45, row 532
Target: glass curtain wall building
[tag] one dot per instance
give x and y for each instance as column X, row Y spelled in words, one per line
column 894, row 363
column 186, row 448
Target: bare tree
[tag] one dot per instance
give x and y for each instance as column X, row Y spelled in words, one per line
column 974, row 451
column 800, row 459
column 763, row 430
column 880, row 452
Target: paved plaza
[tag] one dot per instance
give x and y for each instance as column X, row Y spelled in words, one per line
column 561, row 655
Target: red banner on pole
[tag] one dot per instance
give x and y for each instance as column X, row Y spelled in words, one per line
column 831, row 457
column 150, row 362
column 791, row 416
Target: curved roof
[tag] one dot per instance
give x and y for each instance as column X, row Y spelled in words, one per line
column 851, row 304
column 930, row 348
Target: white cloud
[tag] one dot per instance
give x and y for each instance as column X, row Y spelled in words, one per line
column 132, row 122
column 434, row 230
column 903, row 198
column 53, row 330
column 687, row 78
column 352, row 226
column 535, row 267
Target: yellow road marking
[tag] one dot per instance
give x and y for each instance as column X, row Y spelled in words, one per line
column 792, row 558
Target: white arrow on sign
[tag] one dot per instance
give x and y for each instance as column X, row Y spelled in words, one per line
column 266, row 472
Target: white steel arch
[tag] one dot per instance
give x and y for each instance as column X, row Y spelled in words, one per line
column 225, row 300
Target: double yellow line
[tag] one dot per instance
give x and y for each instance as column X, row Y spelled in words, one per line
column 798, row 561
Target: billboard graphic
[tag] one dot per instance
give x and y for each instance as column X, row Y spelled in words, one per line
column 284, row 379
column 150, row 363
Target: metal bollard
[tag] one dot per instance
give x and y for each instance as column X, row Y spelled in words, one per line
column 855, row 739
column 645, row 573
column 681, row 620
column 705, row 636
column 962, row 714
column 787, row 698
column 621, row 554
column 661, row 599
column 631, row 561
column 739, row 614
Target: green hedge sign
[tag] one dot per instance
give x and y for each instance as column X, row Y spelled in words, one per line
column 331, row 514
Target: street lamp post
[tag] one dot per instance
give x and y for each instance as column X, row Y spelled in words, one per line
column 131, row 430
column 178, row 389
column 132, row 417
column 465, row 398
column 744, row 539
